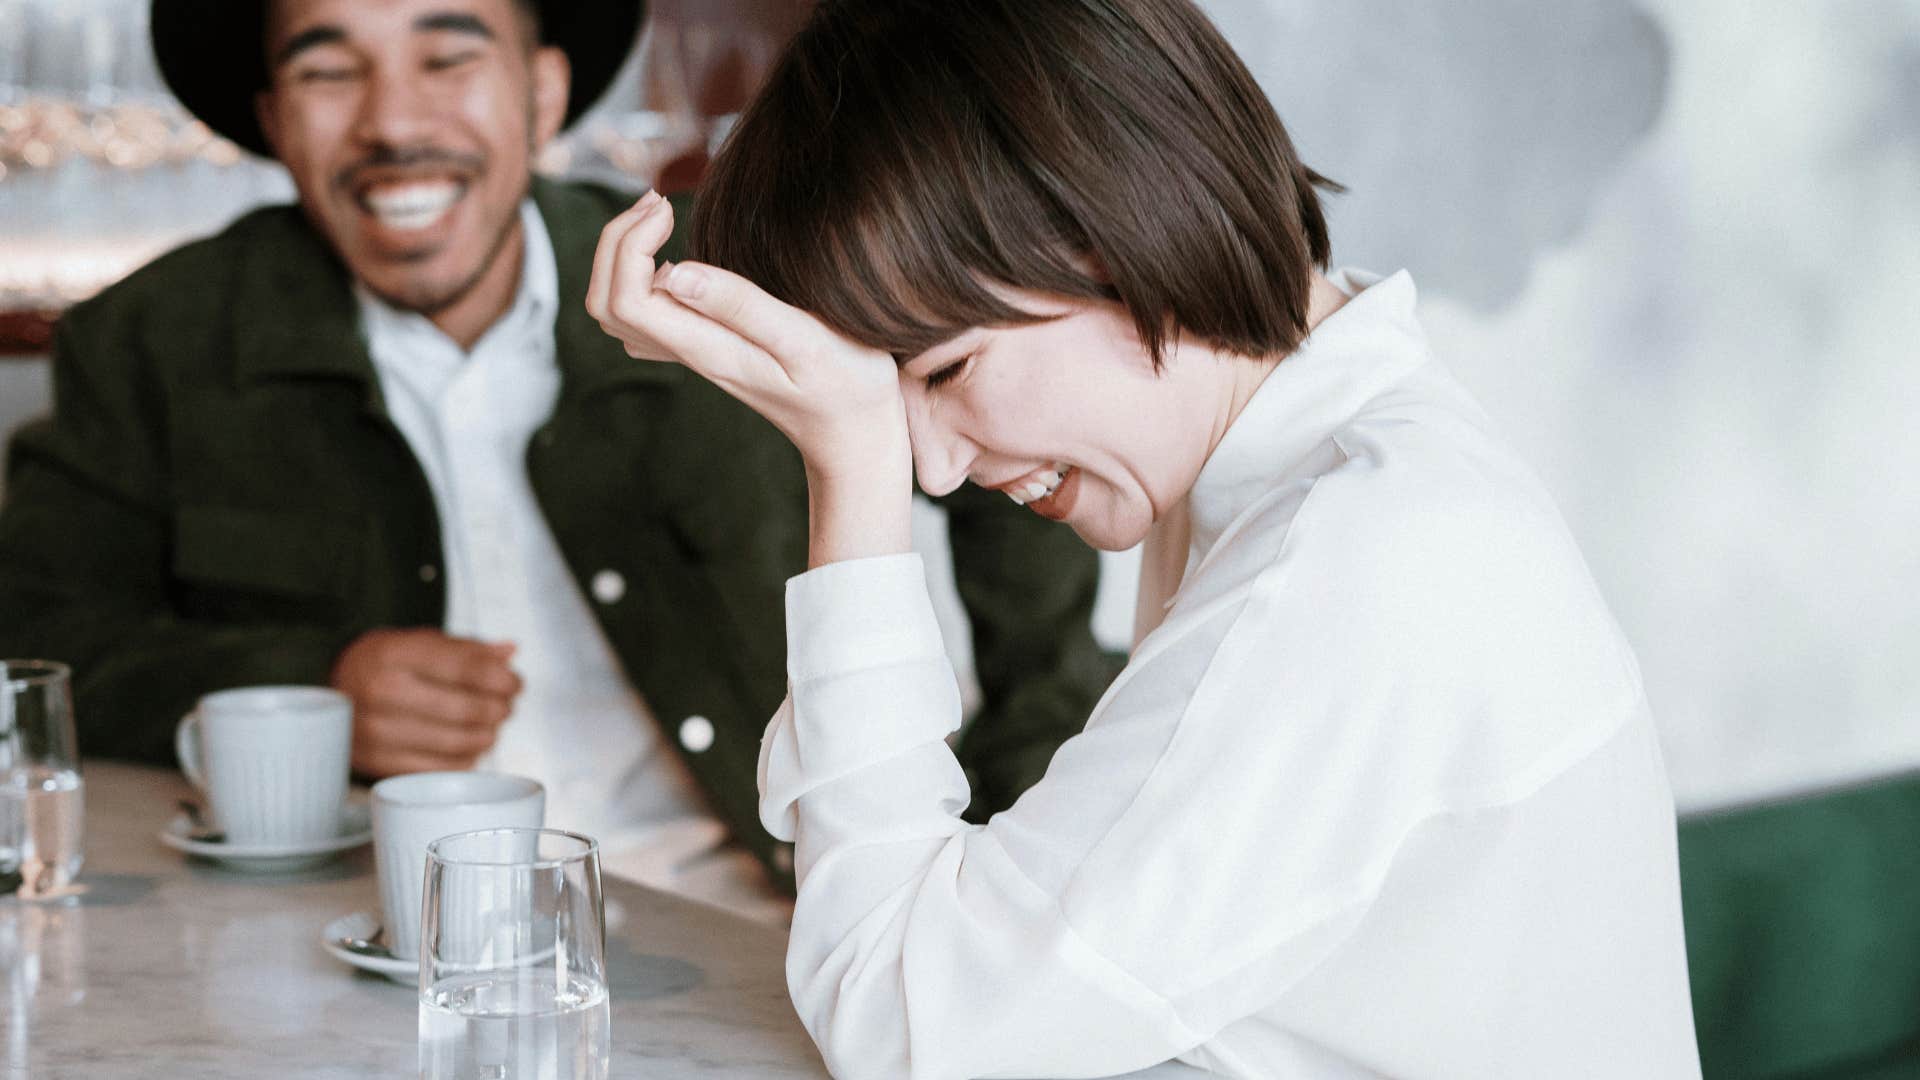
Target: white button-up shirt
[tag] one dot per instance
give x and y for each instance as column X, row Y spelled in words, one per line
column 1379, row 796
column 578, row 727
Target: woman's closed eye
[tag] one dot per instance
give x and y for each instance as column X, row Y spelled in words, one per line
column 945, row 375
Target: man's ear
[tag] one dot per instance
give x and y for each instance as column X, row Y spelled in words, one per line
column 552, row 83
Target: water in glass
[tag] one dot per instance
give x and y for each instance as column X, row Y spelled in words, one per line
column 504, row 1025
column 40, row 827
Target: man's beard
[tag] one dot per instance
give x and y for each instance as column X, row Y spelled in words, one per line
column 425, row 298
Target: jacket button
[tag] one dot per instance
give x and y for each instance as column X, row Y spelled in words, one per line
column 608, row 586
column 696, row 734
column 783, row 858
column 429, row 573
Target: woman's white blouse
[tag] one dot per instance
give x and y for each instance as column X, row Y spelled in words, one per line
column 1379, row 796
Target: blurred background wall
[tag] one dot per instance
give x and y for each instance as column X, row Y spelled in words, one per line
column 1673, row 246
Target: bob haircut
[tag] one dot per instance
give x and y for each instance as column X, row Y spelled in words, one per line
column 905, row 156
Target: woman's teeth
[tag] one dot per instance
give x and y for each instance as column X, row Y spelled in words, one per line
column 412, row 206
column 1041, row 486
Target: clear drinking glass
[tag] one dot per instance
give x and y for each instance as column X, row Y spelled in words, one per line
column 41, row 797
column 513, row 946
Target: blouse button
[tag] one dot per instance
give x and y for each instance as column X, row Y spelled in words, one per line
column 429, row 573
column 696, row 734
column 783, row 858
column 608, row 586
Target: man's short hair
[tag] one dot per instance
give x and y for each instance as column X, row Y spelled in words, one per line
column 907, row 155
column 531, row 26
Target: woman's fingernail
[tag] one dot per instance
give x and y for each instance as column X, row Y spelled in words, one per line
column 650, row 197
column 686, row 283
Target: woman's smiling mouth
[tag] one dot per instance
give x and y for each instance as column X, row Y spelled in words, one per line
column 1036, row 486
column 1049, row 492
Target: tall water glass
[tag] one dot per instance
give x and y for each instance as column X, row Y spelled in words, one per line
column 41, row 797
column 513, row 946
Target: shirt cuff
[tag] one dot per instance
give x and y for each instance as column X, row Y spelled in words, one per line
column 860, row 614
column 869, row 683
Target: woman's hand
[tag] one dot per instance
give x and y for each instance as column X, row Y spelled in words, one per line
column 837, row 401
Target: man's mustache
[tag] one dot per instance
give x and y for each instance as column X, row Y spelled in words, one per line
column 409, row 158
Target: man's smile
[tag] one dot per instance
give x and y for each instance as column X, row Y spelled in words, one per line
column 410, row 205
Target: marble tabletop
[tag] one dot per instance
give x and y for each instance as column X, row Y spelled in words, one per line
column 170, row 966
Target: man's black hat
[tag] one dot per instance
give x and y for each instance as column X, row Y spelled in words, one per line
column 212, row 54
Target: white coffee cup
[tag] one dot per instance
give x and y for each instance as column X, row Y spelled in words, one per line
column 410, row 812
column 272, row 760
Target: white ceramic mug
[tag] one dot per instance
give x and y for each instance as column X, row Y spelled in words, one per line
column 410, row 812
column 272, row 760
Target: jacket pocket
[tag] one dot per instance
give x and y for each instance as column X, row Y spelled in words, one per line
column 233, row 561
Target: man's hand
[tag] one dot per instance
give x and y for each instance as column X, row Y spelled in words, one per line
column 423, row 700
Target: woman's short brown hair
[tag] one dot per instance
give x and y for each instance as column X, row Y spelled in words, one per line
column 907, row 155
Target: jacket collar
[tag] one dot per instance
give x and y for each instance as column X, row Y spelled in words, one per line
column 295, row 315
column 590, row 361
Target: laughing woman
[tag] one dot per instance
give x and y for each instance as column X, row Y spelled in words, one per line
column 1378, row 792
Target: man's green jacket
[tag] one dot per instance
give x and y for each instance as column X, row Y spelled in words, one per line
column 220, row 499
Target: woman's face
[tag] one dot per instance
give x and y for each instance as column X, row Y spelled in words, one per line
column 1067, row 417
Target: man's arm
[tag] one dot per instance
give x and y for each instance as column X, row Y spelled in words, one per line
column 88, row 576
column 84, row 550
column 1028, row 585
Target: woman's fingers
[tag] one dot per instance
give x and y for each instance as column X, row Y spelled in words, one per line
column 630, row 276
column 716, row 353
column 600, row 284
column 785, row 332
column 829, row 395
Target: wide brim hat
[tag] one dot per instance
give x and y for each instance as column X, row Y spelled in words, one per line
column 211, row 54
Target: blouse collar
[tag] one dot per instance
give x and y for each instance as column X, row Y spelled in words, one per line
column 1354, row 354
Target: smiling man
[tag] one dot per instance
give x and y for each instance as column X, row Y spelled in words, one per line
column 375, row 441
column 418, row 186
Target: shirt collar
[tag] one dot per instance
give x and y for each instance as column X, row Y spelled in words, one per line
column 1350, row 358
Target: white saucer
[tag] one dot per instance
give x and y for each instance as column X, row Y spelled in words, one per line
column 363, row 925
column 356, row 828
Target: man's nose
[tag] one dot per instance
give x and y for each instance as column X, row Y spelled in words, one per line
column 394, row 110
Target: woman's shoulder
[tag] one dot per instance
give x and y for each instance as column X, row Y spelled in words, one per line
column 1432, row 569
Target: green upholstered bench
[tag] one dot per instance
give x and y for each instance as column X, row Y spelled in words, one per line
column 1803, row 935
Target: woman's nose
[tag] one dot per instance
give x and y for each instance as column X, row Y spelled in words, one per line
column 942, row 456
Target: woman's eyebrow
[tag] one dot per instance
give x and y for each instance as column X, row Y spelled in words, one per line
column 943, row 353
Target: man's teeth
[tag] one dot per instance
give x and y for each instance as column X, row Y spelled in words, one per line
column 1041, row 486
column 412, row 206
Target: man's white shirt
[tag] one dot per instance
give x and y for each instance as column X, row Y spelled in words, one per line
column 578, row 727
